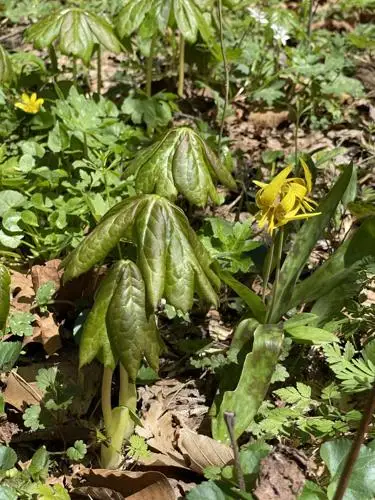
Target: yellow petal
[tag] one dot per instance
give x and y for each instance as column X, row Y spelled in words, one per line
column 270, row 192
column 299, row 190
column 39, row 102
column 301, row 216
column 308, row 175
column 20, row 106
column 288, row 201
column 25, row 98
column 260, row 184
column 33, row 97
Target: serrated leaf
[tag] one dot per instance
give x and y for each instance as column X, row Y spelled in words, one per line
column 180, row 162
column 31, row 418
column 132, row 334
column 45, row 293
column 20, row 323
column 77, row 452
column 8, row 458
column 46, row 378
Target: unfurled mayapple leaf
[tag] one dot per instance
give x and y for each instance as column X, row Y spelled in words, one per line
column 173, row 262
column 181, row 162
column 76, row 32
column 6, row 70
column 132, row 334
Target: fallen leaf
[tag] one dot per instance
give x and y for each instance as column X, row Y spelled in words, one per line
column 96, row 493
column 46, row 333
column 20, row 392
column 22, row 291
column 48, row 272
column 133, row 485
column 202, row 451
column 268, row 119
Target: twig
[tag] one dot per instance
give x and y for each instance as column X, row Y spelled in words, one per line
column 226, row 71
column 230, row 418
column 356, row 446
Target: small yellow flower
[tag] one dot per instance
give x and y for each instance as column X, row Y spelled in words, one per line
column 30, row 104
column 285, row 199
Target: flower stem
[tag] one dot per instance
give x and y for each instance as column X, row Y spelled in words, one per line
column 150, row 61
column 268, row 270
column 99, row 69
column 226, row 71
column 277, row 276
column 181, row 68
column 106, row 396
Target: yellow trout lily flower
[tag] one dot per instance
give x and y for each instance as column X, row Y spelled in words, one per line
column 285, row 199
column 30, row 104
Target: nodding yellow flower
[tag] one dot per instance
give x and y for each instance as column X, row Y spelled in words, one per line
column 285, row 199
column 30, row 104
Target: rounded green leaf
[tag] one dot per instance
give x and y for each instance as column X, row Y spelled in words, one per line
column 8, row 458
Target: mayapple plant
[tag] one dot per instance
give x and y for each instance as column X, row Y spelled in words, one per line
column 77, row 33
column 283, row 200
column 4, row 295
column 6, row 70
column 190, row 17
column 171, row 263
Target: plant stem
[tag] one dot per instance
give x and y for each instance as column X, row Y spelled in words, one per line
column 356, row 446
column 106, row 396
column 268, row 271
column 229, row 418
column 181, row 67
column 74, row 71
column 150, row 61
column 52, row 55
column 99, row 69
column 226, row 71
column 310, row 17
column 128, row 392
column 277, row 276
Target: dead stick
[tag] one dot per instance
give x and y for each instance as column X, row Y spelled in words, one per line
column 356, row 446
column 230, row 418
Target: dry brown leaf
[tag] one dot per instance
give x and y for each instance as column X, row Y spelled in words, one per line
column 202, row 451
column 133, row 485
column 48, row 272
column 46, row 333
column 20, row 392
column 96, row 493
column 22, row 291
column 268, row 119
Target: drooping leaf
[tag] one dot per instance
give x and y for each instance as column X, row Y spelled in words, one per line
column 131, row 332
column 132, row 15
column 77, row 31
column 253, row 384
column 180, row 162
column 4, row 295
column 6, row 70
column 170, row 256
column 94, row 340
column 304, row 243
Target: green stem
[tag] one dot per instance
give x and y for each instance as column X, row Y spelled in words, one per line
column 75, row 71
column 106, row 396
column 128, row 392
column 181, row 67
column 52, row 55
column 226, row 71
column 277, row 276
column 99, row 69
column 268, row 271
column 149, row 65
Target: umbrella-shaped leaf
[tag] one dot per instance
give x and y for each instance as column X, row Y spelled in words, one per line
column 180, row 162
column 76, row 31
column 131, row 15
column 170, row 256
column 94, row 341
column 6, row 71
column 132, row 334
column 4, row 295
column 186, row 20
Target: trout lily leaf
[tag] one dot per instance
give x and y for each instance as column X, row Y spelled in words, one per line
column 182, row 163
column 76, row 31
column 6, row 70
column 172, row 260
column 117, row 327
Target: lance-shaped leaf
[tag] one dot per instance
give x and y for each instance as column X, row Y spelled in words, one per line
column 94, row 342
column 133, row 335
column 180, row 162
column 304, row 242
column 4, row 295
column 172, row 260
column 76, row 31
column 6, row 70
column 253, row 385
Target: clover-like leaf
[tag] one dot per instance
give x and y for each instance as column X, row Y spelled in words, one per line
column 76, row 30
column 6, row 69
column 132, row 333
column 173, row 262
column 181, row 162
column 77, row 451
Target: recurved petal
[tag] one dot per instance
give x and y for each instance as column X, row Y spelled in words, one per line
column 308, row 175
column 270, row 192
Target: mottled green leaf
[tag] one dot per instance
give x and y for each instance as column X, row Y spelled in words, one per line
column 253, row 384
column 131, row 16
column 131, row 332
